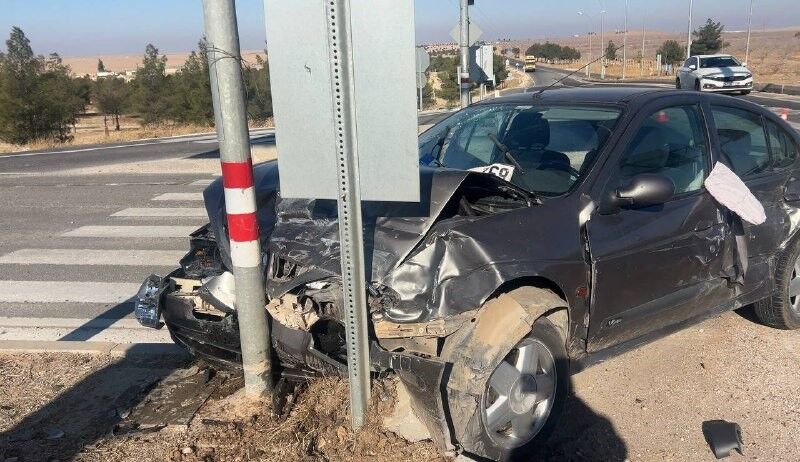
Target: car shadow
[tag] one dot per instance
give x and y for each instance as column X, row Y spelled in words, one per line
column 748, row 312
column 581, row 435
column 88, row 410
column 101, row 322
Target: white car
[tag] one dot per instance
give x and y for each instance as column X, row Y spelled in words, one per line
column 717, row 73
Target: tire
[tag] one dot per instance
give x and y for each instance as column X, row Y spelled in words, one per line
column 782, row 309
column 697, row 85
column 745, row 92
column 547, row 340
column 678, row 83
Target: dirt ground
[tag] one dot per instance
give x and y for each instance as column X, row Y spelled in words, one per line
column 647, row 405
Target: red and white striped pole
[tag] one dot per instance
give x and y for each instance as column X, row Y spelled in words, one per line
column 230, row 114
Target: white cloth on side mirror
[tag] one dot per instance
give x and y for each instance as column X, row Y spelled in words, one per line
column 729, row 190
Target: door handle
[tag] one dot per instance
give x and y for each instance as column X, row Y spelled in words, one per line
column 704, row 225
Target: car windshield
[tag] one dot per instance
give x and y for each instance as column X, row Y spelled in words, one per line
column 719, row 61
column 543, row 149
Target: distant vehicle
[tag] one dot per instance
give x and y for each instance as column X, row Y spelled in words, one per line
column 530, row 63
column 554, row 232
column 717, row 73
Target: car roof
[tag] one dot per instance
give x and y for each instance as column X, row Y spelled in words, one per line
column 610, row 95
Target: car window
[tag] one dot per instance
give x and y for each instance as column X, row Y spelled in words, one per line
column 782, row 147
column 549, row 148
column 671, row 142
column 719, row 61
column 742, row 140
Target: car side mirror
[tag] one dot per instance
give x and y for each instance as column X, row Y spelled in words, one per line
column 644, row 190
column 692, row 67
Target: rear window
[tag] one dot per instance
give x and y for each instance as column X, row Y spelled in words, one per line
column 742, row 140
column 782, row 146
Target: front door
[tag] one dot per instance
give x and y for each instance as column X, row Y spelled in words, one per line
column 659, row 265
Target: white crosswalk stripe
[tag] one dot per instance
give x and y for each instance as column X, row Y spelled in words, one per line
column 131, row 231
column 93, row 257
column 66, row 288
column 66, row 291
column 162, row 212
column 179, row 197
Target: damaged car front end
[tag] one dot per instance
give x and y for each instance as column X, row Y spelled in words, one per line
column 479, row 230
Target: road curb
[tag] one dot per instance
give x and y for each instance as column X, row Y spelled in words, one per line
column 99, row 348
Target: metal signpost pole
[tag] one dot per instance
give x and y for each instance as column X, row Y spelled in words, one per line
column 240, row 202
column 464, row 44
column 349, row 201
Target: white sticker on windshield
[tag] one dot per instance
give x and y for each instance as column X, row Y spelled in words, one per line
column 499, row 170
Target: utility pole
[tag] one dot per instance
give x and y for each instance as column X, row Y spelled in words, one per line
column 589, row 59
column 602, row 45
column 641, row 64
column 625, row 42
column 749, row 27
column 230, row 114
column 689, row 32
column 464, row 44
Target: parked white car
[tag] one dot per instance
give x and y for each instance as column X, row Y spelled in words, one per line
column 717, row 73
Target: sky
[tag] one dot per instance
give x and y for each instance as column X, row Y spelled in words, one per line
column 112, row 27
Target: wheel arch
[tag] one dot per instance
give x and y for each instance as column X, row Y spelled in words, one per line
column 476, row 349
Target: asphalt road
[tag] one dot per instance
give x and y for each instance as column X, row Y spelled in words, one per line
column 75, row 246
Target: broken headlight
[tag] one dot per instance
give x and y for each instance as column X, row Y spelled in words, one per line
column 147, row 305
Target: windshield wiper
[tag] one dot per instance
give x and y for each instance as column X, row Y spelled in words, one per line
column 506, row 152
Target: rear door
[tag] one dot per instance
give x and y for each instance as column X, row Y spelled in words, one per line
column 660, row 265
column 761, row 153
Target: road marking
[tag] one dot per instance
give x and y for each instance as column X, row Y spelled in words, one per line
column 179, row 197
column 131, row 231
column 162, row 212
column 93, row 257
column 205, row 182
column 97, row 329
column 66, row 291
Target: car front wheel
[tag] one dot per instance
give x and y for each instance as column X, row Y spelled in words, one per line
column 525, row 393
column 697, row 85
column 782, row 309
column 678, row 83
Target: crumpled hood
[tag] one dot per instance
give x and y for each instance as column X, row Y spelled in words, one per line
column 304, row 234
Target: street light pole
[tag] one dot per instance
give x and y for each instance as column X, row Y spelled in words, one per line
column 689, row 32
column 625, row 42
column 230, row 114
column 749, row 27
column 589, row 60
column 464, row 44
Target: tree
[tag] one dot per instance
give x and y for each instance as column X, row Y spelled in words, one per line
column 38, row 98
column 191, row 90
column 708, row 38
column 499, row 68
column 611, row 51
column 151, row 87
column 671, row 52
column 100, row 66
column 111, row 95
column 516, row 50
column 259, row 93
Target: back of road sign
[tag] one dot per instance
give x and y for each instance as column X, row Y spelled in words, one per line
column 385, row 99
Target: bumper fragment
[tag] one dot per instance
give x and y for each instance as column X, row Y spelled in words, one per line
column 147, row 304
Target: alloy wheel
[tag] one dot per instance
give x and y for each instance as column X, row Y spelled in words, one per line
column 520, row 394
